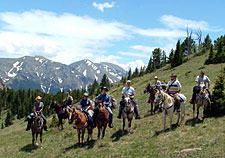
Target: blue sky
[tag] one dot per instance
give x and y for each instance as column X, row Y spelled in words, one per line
column 123, row 32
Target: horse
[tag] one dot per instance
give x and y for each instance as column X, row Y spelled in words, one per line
column 150, row 89
column 167, row 102
column 60, row 112
column 102, row 118
column 202, row 99
column 127, row 112
column 37, row 128
column 113, row 103
column 81, row 123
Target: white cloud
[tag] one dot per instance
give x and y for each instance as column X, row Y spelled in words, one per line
column 65, row 38
column 175, row 22
column 102, row 6
column 134, row 54
column 160, row 33
column 142, row 48
column 133, row 65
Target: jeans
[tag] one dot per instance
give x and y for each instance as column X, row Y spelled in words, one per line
column 110, row 114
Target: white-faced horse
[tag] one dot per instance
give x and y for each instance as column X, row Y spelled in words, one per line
column 167, row 103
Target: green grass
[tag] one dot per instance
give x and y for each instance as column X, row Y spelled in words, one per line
column 146, row 138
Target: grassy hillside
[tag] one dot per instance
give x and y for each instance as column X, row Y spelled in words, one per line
column 146, row 139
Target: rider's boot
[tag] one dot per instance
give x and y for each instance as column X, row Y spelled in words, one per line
column 28, row 123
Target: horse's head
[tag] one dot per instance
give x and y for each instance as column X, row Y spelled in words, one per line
column 147, row 88
column 38, row 121
column 128, row 104
column 52, row 105
column 73, row 115
column 158, row 97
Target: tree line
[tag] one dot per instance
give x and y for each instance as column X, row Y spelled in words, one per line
column 19, row 104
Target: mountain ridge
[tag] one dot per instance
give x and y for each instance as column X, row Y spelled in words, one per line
column 49, row 76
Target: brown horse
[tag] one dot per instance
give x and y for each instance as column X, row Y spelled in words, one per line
column 150, row 89
column 81, row 123
column 202, row 99
column 103, row 118
column 60, row 113
column 37, row 128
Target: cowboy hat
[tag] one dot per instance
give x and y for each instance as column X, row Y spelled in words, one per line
column 128, row 81
column 104, row 88
column 156, row 77
column 173, row 75
column 86, row 94
column 38, row 98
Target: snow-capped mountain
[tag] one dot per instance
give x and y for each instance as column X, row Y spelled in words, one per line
column 50, row 77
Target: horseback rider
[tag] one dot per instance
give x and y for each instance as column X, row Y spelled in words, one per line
column 38, row 108
column 129, row 91
column 106, row 99
column 85, row 106
column 67, row 102
column 173, row 86
column 157, row 83
column 201, row 81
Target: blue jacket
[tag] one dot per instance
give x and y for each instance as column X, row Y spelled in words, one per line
column 85, row 103
column 105, row 98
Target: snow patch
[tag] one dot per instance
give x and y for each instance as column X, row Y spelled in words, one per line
column 72, row 72
column 96, row 78
column 85, row 72
column 57, row 68
column 98, row 71
column 37, row 74
column 18, row 67
column 60, row 80
column 88, row 62
column 43, row 88
column 110, row 80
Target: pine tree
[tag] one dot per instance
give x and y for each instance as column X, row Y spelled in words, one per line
column 171, row 56
column 218, row 96
column 210, row 59
column 105, row 81
column 129, row 74
column 178, row 56
column 135, row 73
column 207, row 42
column 9, row 119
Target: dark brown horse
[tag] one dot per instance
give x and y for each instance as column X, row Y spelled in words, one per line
column 102, row 117
column 60, row 113
column 81, row 122
column 37, row 128
column 150, row 89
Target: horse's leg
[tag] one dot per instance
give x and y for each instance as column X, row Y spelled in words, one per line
column 36, row 139
column 82, row 139
column 41, row 139
column 124, row 122
column 197, row 111
column 33, row 138
column 204, row 111
column 78, row 131
column 99, row 132
column 171, row 116
column 182, row 112
column 129, row 125
column 178, row 117
column 164, row 120
column 103, row 131
column 193, row 110
column 151, row 107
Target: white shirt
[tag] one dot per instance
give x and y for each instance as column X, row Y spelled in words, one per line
column 128, row 91
column 202, row 80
